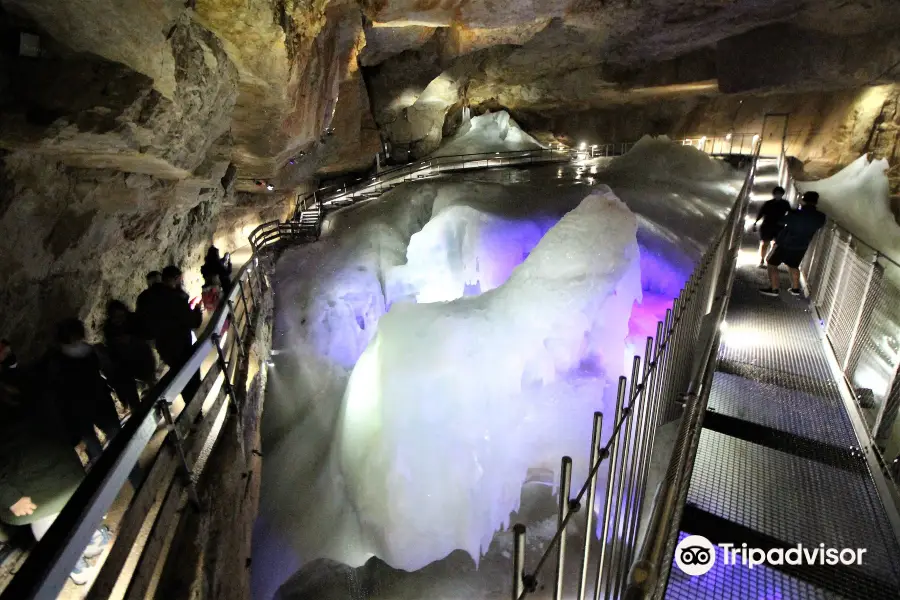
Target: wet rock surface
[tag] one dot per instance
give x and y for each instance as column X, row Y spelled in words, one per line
column 134, row 134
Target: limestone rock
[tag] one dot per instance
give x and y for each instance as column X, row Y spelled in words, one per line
column 385, row 42
column 75, row 238
column 92, row 113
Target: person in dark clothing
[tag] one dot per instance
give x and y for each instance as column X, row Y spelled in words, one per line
column 131, row 357
column 154, row 279
column 792, row 242
column 214, row 266
column 39, row 470
column 76, row 383
column 79, row 389
column 171, row 320
column 10, row 376
column 771, row 214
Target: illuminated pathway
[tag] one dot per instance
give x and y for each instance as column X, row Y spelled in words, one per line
column 778, row 462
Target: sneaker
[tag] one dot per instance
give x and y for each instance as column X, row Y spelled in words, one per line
column 796, row 291
column 762, row 265
column 99, row 541
column 79, row 574
column 769, row 292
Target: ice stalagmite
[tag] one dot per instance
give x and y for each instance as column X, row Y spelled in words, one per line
column 452, row 402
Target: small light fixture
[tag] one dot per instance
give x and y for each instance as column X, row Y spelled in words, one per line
column 270, row 187
column 755, row 138
column 583, row 146
column 727, row 136
column 292, row 161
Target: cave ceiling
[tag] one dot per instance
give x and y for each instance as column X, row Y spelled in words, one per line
column 285, row 89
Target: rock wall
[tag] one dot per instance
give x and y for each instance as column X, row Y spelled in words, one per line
column 75, row 238
column 826, row 130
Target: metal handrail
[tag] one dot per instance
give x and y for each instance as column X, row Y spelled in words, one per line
column 351, row 188
column 49, row 563
column 326, row 195
column 649, row 573
column 657, row 384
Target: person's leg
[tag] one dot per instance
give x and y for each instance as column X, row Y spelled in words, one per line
column 795, row 278
column 111, row 428
column 127, row 391
column 40, row 527
column 764, row 246
column 774, row 279
column 92, row 445
column 191, row 388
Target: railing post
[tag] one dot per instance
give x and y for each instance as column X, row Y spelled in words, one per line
column 244, row 299
column 884, row 422
column 565, row 485
column 232, row 316
column 865, row 308
column 178, row 444
column 518, row 584
column 837, row 285
column 826, row 270
column 599, row 579
column 592, row 498
column 226, row 384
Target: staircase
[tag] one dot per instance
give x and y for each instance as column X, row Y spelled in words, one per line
column 310, row 222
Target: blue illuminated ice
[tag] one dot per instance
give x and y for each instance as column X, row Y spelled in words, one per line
column 469, row 366
column 444, row 412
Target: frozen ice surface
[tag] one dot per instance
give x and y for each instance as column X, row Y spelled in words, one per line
column 858, row 198
column 331, row 299
column 490, row 132
column 446, row 409
column 462, row 251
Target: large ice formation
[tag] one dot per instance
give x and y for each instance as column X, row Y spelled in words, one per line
column 491, row 349
column 858, row 198
column 490, row 132
column 440, row 409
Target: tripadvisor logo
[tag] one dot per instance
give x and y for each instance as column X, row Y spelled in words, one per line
column 695, row 555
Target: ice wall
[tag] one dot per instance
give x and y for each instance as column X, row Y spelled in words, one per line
column 858, row 198
column 331, row 297
column 490, row 132
column 462, row 251
column 446, row 409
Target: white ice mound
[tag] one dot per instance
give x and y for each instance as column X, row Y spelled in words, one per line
column 654, row 157
column 461, row 251
column 490, row 132
column 858, row 198
column 452, row 402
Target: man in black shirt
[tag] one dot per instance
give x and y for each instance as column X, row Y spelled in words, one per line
column 771, row 213
column 171, row 319
column 792, row 241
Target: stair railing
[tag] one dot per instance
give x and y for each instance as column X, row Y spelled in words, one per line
column 669, row 379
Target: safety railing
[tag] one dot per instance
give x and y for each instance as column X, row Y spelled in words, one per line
column 855, row 290
column 603, row 150
column 169, row 486
column 728, row 144
column 348, row 192
column 273, row 232
column 673, row 372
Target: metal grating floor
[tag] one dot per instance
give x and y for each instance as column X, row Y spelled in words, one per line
column 778, row 462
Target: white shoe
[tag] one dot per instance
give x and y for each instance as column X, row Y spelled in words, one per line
column 79, row 574
column 99, row 541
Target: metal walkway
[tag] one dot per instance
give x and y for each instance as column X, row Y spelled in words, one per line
column 778, row 462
